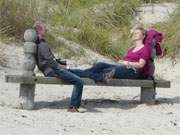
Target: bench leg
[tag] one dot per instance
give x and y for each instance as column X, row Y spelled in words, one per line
column 27, row 96
column 148, row 95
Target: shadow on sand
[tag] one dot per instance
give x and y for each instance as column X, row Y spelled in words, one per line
column 175, row 100
column 92, row 105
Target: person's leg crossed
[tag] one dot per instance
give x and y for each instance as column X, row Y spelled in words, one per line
column 78, row 85
column 99, row 67
column 122, row 72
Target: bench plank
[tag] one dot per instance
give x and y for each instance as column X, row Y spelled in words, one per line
column 87, row 81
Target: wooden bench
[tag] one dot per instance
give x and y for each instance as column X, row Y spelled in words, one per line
column 28, row 80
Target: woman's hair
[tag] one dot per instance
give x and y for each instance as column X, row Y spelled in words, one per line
column 144, row 32
column 38, row 26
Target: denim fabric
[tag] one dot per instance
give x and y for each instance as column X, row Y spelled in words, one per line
column 96, row 72
column 73, row 79
column 122, row 72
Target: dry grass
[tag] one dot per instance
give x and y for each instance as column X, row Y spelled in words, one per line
column 3, row 59
column 18, row 15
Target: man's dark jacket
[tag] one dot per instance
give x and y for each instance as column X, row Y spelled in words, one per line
column 45, row 59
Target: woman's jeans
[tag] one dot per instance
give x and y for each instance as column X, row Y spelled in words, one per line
column 122, row 72
column 97, row 71
column 73, row 79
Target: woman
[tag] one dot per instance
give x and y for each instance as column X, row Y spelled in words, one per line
column 134, row 65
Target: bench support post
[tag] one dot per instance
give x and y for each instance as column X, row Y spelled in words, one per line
column 27, row 91
column 148, row 95
column 26, row 96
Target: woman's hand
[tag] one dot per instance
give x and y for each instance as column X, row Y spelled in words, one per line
column 122, row 62
column 128, row 64
column 119, row 61
column 140, row 64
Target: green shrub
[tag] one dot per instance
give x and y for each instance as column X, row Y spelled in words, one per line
column 97, row 21
column 17, row 15
column 103, row 25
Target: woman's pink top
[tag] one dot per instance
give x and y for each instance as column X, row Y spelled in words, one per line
column 143, row 53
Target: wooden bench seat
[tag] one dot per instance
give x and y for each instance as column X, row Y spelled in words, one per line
column 87, row 81
column 27, row 87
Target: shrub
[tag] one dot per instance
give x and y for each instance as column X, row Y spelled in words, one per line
column 17, row 15
column 97, row 21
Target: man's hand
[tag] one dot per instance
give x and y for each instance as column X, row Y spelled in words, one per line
column 62, row 66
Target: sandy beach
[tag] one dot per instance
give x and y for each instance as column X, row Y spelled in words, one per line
column 105, row 110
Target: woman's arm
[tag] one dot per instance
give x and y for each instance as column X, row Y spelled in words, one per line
column 139, row 64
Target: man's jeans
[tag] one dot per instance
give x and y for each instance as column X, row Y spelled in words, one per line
column 97, row 71
column 73, row 79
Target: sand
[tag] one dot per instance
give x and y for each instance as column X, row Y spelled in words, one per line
column 154, row 13
column 105, row 110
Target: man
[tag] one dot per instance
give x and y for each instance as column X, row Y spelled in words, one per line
column 47, row 63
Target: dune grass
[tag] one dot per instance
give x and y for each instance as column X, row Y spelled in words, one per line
column 171, row 31
column 103, row 25
column 18, row 15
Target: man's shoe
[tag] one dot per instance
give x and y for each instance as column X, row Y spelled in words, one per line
column 73, row 109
